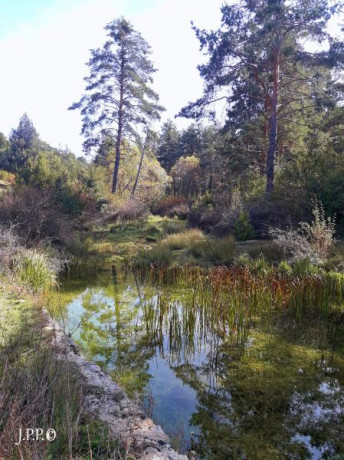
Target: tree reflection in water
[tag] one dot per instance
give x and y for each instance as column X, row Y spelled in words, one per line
column 240, row 382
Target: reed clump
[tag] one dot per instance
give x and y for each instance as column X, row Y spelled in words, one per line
column 232, row 299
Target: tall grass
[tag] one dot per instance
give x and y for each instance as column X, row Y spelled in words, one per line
column 193, row 244
column 36, row 270
column 219, row 251
column 183, row 240
column 228, row 301
column 41, row 391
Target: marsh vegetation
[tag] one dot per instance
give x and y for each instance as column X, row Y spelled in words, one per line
column 232, row 353
column 202, row 267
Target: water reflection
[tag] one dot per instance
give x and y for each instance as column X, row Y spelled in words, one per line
column 229, row 387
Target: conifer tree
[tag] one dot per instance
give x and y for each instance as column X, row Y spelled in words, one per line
column 119, row 99
column 24, row 144
column 259, row 64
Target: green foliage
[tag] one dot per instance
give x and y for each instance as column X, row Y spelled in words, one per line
column 35, row 270
column 118, row 94
column 7, row 176
column 284, row 268
column 245, row 61
column 305, row 267
column 243, row 229
column 168, row 151
column 186, row 176
column 24, row 143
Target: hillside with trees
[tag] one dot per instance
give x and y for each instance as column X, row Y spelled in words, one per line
column 210, row 253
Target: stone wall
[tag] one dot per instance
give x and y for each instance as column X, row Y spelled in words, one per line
column 107, row 402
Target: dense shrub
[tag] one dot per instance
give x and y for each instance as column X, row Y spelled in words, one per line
column 225, row 217
column 267, row 213
column 312, row 241
column 35, row 216
column 203, row 217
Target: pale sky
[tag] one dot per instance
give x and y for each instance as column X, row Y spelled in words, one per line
column 44, row 45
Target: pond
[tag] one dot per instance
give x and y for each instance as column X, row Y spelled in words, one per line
column 225, row 375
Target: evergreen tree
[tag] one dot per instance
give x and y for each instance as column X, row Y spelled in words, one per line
column 24, row 142
column 105, row 152
column 258, row 64
column 168, row 151
column 118, row 97
column 191, row 141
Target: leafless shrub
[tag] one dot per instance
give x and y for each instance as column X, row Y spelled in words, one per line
column 10, row 247
column 311, row 241
column 129, row 210
column 35, row 216
column 320, row 232
column 295, row 245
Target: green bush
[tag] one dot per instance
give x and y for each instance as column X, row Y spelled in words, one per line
column 305, row 266
column 284, row 268
column 243, row 261
column 243, row 229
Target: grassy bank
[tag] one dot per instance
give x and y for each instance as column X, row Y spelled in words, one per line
column 36, row 389
column 163, row 241
column 39, row 391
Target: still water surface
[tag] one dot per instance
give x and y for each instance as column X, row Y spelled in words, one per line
column 275, row 393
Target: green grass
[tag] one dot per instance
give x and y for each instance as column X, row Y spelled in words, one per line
column 183, row 240
column 33, row 269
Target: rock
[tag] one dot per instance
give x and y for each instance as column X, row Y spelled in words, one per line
column 107, row 402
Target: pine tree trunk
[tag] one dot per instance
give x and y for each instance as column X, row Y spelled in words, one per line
column 138, row 172
column 117, row 162
column 270, row 160
column 120, row 128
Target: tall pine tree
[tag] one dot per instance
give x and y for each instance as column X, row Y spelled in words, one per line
column 258, row 62
column 119, row 99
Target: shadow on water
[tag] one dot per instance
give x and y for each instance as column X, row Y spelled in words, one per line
column 232, row 365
